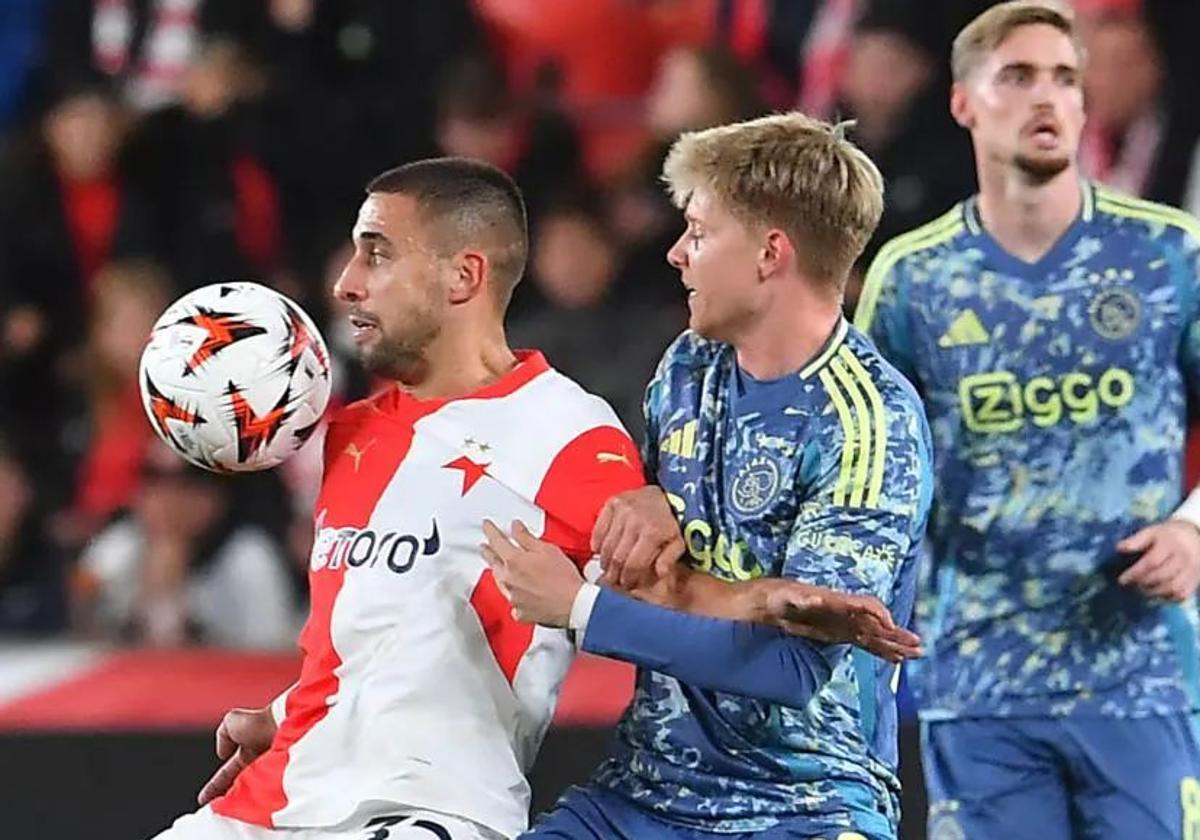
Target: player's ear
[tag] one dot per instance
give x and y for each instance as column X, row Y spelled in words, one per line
column 777, row 252
column 960, row 106
column 470, row 276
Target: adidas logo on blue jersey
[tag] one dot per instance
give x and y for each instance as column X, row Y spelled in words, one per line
column 964, row 330
column 681, row 442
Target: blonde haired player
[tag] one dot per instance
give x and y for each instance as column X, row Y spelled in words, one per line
column 788, row 449
column 1053, row 328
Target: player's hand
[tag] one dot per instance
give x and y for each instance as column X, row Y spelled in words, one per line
column 838, row 618
column 1169, row 566
column 244, row 735
column 637, row 538
column 539, row 580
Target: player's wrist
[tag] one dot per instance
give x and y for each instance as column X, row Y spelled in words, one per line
column 581, row 609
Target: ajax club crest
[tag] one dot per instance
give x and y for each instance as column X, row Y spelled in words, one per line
column 1115, row 313
column 755, row 486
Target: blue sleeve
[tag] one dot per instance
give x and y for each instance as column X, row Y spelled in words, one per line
column 862, row 521
column 734, row 657
column 882, row 312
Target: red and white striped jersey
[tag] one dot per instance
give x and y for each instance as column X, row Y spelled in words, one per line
column 417, row 687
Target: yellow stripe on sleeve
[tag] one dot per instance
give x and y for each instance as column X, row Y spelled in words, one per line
column 1147, row 211
column 847, row 419
column 863, row 462
column 879, row 419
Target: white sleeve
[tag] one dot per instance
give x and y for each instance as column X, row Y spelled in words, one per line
column 1189, row 510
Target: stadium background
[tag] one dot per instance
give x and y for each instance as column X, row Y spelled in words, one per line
column 151, row 146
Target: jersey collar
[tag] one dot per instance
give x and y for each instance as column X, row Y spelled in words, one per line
column 1058, row 251
column 530, row 365
column 826, row 352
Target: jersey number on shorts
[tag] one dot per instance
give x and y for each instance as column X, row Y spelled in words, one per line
column 381, row 827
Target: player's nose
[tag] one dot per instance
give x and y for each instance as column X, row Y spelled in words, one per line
column 351, row 286
column 677, row 253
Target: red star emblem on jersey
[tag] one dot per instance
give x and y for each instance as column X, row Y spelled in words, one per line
column 222, row 328
column 164, row 408
column 300, row 339
column 472, row 472
column 255, row 431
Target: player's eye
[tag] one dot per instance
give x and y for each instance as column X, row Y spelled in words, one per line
column 374, row 257
column 1066, row 77
column 1016, row 75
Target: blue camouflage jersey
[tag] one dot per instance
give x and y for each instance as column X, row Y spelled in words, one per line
column 1056, row 393
column 821, row 476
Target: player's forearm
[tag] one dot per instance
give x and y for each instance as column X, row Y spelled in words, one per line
column 717, row 654
column 701, row 594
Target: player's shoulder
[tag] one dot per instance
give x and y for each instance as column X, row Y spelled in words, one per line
column 554, row 430
column 916, row 253
column 860, row 386
column 691, row 351
column 871, row 434
column 555, row 400
column 930, row 240
column 359, row 410
column 1149, row 219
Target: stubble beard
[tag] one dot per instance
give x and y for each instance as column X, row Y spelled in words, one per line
column 1040, row 171
column 401, row 357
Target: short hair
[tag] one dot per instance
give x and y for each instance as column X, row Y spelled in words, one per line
column 990, row 29
column 467, row 204
column 790, row 171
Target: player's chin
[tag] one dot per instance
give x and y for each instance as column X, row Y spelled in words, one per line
column 1043, row 164
column 701, row 320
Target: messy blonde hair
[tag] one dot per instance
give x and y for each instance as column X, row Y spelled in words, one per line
column 792, row 172
column 990, row 29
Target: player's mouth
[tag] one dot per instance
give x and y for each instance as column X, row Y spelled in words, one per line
column 1044, row 131
column 364, row 325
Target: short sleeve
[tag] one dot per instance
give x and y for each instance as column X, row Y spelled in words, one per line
column 586, row 473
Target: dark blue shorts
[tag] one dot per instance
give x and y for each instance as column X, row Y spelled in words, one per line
column 1063, row 779
column 586, row 813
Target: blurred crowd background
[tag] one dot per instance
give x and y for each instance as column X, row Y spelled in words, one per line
column 148, row 147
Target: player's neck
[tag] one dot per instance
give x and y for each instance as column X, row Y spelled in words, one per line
column 1028, row 218
column 460, row 362
column 787, row 337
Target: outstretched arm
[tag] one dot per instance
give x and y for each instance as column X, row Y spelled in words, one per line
column 717, row 654
column 638, row 541
column 814, row 612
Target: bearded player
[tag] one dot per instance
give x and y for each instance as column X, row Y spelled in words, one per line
column 1053, row 329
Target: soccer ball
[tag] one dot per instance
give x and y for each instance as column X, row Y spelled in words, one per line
column 235, row 377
